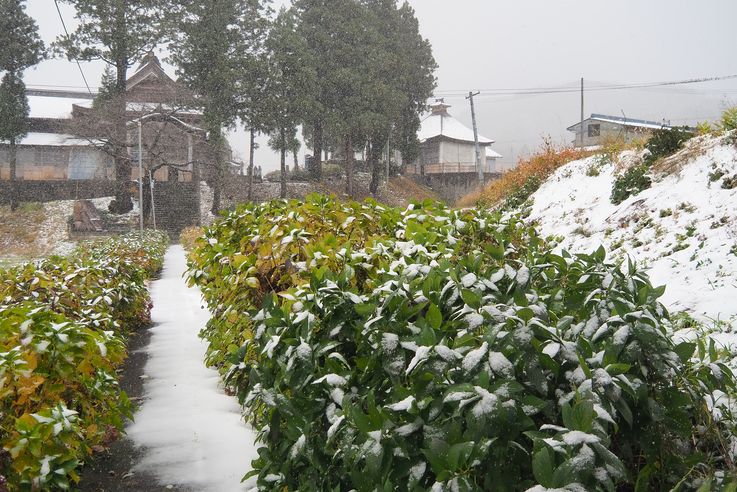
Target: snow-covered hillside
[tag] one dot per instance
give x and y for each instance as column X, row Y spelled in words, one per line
column 683, row 229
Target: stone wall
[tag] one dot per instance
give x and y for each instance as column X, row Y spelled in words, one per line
column 452, row 187
column 49, row 191
column 177, row 206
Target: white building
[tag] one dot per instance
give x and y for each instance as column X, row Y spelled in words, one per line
column 447, row 146
column 596, row 129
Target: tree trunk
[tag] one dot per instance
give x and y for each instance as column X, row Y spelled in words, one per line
column 13, row 158
column 250, row 165
column 283, row 144
column 317, row 135
column 296, row 160
column 349, row 158
column 122, row 203
column 374, row 156
column 219, row 171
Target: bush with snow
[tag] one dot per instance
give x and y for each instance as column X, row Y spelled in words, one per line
column 63, row 324
column 489, row 363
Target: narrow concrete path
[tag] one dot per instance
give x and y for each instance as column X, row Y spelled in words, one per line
column 192, row 433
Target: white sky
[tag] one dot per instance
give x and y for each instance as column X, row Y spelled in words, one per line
column 483, row 44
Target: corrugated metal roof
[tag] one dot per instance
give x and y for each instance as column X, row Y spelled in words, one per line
column 619, row 120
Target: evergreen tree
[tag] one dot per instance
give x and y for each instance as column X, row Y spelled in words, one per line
column 106, row 93
column 118, row 32
column 291, row 77
column 21, row 48
column 218, row 43
column 403, row 82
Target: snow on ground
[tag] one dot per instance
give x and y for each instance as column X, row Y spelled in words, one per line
column 192, row 433
column 683, row 229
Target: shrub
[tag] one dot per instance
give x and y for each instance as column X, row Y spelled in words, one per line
column 63, row 323
column 729, row 119
column 189, row 236
column 631, row 182
column 666, row 142
column 455, row 351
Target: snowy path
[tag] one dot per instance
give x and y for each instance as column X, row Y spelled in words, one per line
column 192, row 432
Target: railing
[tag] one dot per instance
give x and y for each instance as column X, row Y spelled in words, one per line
column 445, row 168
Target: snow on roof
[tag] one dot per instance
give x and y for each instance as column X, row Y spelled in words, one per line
column 53, row 140
column 57, row 107
column 492, row 153
column 54, row 107
column 440, row 123
column 619, row 120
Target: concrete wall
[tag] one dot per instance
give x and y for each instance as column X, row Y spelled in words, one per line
column 57, row 162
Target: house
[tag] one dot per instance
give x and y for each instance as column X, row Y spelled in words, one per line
column 68, row 141
column 491, row 157
column 596, row 129
column 447, row 145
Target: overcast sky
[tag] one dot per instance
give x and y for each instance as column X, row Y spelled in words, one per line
column 519, row 44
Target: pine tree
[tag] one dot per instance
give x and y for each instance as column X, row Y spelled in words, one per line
column 118, row 32
column 21, row 48
column 216, row 50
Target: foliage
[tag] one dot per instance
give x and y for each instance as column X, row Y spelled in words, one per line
column 13, row 108
column 631, row 182
column 217, row 50
column 666, row 142
column 729, row 119
column 291, row 76
column 540, row 166
column 188, row 237
column 63, row 324
column 375, row 72
column 437, row 349
column 519, row 196
column 22, row 46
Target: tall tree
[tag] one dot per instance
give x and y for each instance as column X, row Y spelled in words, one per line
column 403, row 81
column 218, row 41
column 291, row 77
column 118, row 32
column 317, row 19
column 21, row 48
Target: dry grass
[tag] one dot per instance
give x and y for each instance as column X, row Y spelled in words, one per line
column 189, row 236
column 540, row 165
column 19, row 230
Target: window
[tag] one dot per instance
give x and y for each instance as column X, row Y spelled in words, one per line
column 594, row 130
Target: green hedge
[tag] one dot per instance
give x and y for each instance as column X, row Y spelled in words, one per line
column 435, row 349
column 63, row 326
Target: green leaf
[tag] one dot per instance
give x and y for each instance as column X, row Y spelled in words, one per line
column 458, row 454
column 543, row 466
column 434, row 317
column 685, row 351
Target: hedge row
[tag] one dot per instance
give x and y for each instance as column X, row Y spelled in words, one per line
column 436, row 349
column 63, row 326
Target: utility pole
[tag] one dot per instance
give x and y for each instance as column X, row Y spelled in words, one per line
column 479, row 166
column 582, row 115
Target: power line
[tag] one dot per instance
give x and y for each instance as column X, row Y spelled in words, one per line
column 64, row 25
column 571, row 89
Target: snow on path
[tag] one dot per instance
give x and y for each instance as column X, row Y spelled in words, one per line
column 191, row 432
